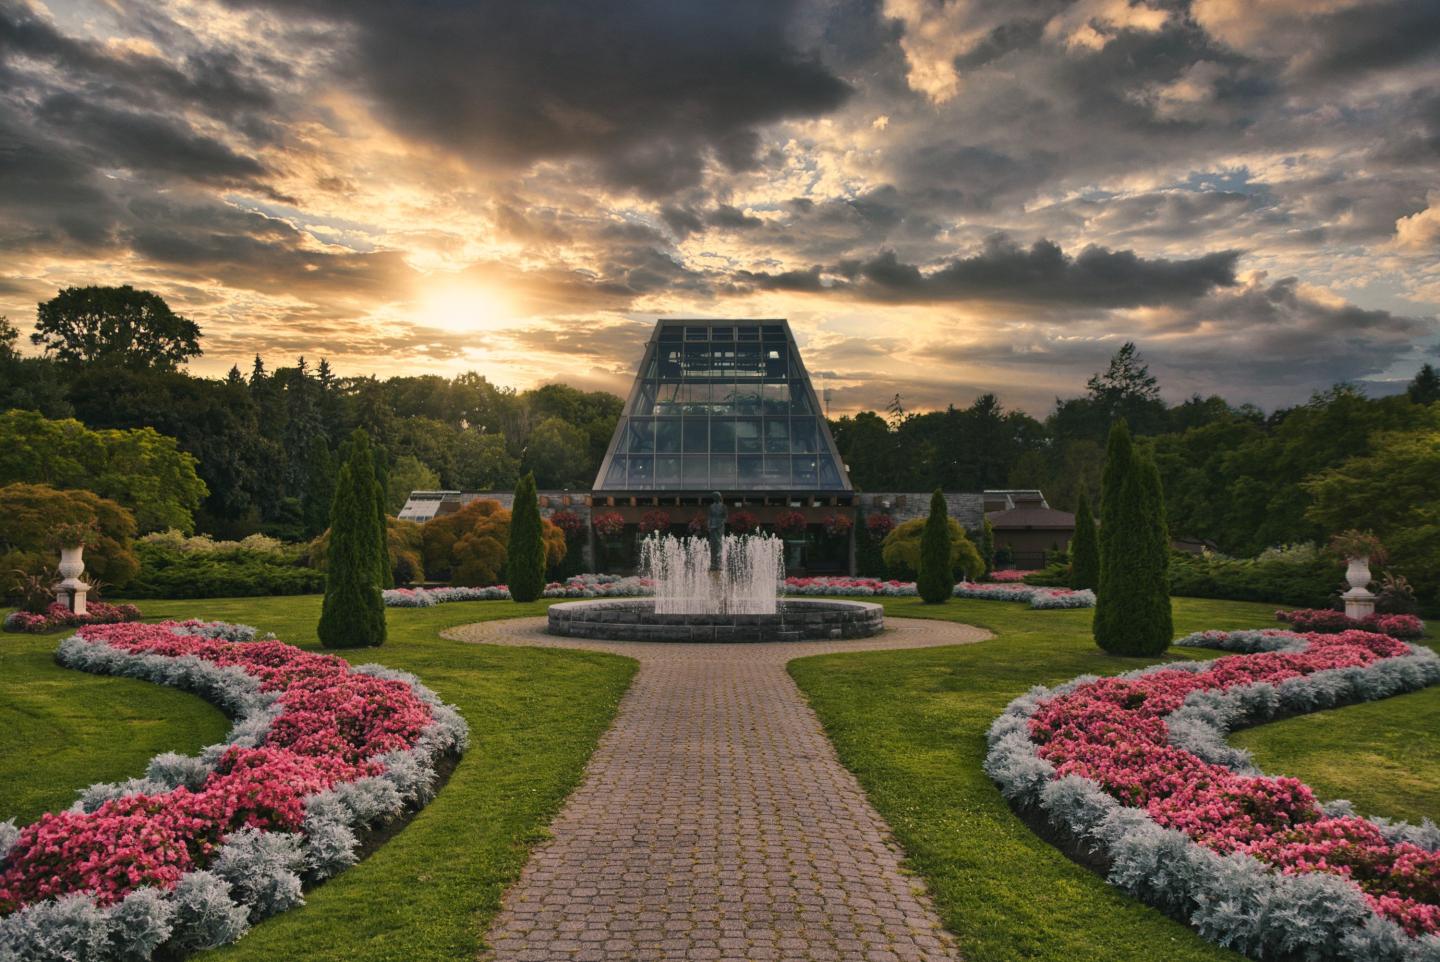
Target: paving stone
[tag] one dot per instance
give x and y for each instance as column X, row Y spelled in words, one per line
column 715, row 820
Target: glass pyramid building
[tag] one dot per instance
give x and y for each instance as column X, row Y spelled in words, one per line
column 722, row 406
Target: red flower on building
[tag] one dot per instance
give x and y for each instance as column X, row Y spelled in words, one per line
column 608, row 524
column 791, row 522
column 743, row 522
column 655, row 521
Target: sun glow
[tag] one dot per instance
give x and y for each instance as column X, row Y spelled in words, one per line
column 454, row 306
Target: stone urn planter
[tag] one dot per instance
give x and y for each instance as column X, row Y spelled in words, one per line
column 1359, row 601
column 71, row 591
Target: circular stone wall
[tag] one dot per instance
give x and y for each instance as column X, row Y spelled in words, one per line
column 636, row 620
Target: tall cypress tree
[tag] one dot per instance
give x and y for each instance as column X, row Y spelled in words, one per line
column 353, row 613
column 936, row 579
column 382, row 484
column 987, row 546
column 525, row 559
column 1132, row 610
column 1084, row 549
column 319, row 487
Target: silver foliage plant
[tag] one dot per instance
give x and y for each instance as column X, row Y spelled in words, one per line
column 255, row 874
column 1233, row 900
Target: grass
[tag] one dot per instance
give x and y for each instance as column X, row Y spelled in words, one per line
column 911, row 725
column 428, row 893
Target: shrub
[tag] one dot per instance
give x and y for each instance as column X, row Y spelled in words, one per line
column 1291, row 575
column 29, row 514
column 353, row 614
column 936, row 579
column 526, row 554
column 174, row 566
column 1084, row 548
column 987, row 546
column 901, row 551
column 470, row 546
column 1132, row 614
column 404, row 545
column 869, row 554
column 1328, row 621
column 58, row 616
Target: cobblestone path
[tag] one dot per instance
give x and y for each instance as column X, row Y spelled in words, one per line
column 716, row 822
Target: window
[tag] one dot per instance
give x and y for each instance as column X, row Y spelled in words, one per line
column 722, row 435
column 749, row 469
column 775, row 399
column 669, row 359
column 775, row 363
column 722, row 470
column 799, row 398
column 776, row 472
column 645, row 400
column 667, row 397
column 696, row 469
column 667, row 435
column 615, row 477
column 642, row 472
column 747, row 398
column 747, row 435
column 802, row 435
column 804, row 470
column 696, row 434
column 667, row 470
column 640, row 436
column 777, row 436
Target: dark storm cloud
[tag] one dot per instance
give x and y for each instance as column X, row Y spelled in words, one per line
column 1373, row 36
column 648, row 90
column 149, row 143
column 1003, row 271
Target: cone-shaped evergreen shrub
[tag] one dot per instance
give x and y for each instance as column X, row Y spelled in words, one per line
column 1084, row 549
column 382, row 536
column 525, row 559
column 987, row 546
column 936, row 581
column 1132, row 613
column 353, row 614
column 319, row 487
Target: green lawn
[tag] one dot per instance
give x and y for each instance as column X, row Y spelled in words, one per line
column 912, row 726
column 428, row 893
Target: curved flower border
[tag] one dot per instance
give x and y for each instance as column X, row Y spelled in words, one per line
column 253, row 872
column 1233, row 898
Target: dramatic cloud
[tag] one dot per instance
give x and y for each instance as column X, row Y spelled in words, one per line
column 945, row 196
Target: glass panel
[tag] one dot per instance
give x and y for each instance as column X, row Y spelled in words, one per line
column 696, row 333
column 777, row 472
column 645, row 400
column 669, row 360
column 722, row 333
column 829, row 476
column 747, row 434
column 747, row 361
column 667, row 471
column 671, row 332
column 748, row 333
column 615, row 477
column 722, row 435
column 667, row 434
column 804, row 468
column 747, row 398
column 749, row 468
column 696, row 434
column 697, row 471
column 641, row 435
column 697, row 360
column 802, row 435
column 775, row 363
column 642, row 472
column 667, row 397
column 777, row 436
column 799, row 398
column 722, row 470
column 776, row 399
column 695, row 399
column 722, row 398
column 774, row 332
column 722, row 359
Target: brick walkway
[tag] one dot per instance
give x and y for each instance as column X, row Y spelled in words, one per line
column 716, row 822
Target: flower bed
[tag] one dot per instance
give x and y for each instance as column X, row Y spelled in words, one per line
column 59, row 616
column 1011, row 575
column 1328, row 620
column 188, row 856
column 580, row 586
column 613, row 586
column 1134, row 771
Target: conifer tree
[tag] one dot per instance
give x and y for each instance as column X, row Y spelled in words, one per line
column 987, row 546
column 1084, row 549
column 1132, row 612
column 382, row 538
column 525, row 559
column 319, row 487
column 353, row 613
column 936, row 580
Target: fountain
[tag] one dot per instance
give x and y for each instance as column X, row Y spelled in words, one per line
column 722, row 587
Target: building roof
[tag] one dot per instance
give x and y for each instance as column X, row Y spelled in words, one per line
column 1031, row 517
column 723, row 405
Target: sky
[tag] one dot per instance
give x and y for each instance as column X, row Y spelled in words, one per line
column 944, row 198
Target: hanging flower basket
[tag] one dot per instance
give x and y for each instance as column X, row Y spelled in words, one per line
column 655, row 521
column 838, row 525
column 698, row 525
column 880, row 525
column 743, row 522
column 568, row 521
column 790, row 522
column 609, row 524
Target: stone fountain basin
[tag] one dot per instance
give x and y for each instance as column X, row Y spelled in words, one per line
column 634, row 619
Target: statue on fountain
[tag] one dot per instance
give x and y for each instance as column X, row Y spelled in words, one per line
column 715, row 525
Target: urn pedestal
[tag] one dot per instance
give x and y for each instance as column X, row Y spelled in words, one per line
column 71, row 591
column 1359, row 600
